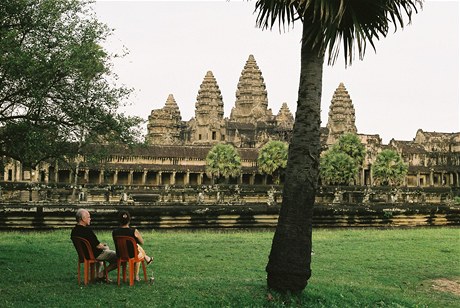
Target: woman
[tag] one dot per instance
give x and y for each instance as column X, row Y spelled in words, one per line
column 125, row 230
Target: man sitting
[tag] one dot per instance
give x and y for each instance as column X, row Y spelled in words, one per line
column 100, row 250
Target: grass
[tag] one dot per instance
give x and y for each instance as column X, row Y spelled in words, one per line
column 351, row 268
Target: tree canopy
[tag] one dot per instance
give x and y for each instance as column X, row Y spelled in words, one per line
column 223, row 161
column 272, row 158
column 337, row 168
column 350, row 144
column 340, row 164
column 56, row 79
column 389, row 168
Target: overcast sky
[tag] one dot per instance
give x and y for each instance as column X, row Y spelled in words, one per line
column 411, row 82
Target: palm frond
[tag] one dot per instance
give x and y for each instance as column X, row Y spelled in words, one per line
column 329, row 24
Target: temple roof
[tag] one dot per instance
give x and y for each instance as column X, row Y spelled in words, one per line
column 209, row 104
column 341, row 114
column 251, row 95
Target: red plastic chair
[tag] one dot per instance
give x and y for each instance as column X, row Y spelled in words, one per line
column 86, row 256
column 122, row 243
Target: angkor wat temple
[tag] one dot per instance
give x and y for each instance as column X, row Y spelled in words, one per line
column 176, row 149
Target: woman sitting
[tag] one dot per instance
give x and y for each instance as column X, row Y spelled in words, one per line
column 125, row 230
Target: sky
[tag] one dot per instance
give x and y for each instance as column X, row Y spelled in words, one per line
column 411, row 82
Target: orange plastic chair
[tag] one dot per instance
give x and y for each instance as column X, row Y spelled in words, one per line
column 121, row 244
column 86, row 256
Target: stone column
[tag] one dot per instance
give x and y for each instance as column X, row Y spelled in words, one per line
column 172, row 178
column 159, row 181
column 200, row 178
column 144, row 177
column 86, row 176
column 431, row 177
column 101, row 176
column 371, row 176
column 187, row 178
column 47, row 175
column 115, row 177
column 130, row 177
column 252, row 179
column 56, row 173
column 240, row 179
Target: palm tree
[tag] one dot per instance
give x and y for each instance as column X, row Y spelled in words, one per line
column 326, row 25
column 223, row 161
column 337, row 168
column 389, row 168
column 272, row 158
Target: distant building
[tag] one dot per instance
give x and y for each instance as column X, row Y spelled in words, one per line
column 176, row 150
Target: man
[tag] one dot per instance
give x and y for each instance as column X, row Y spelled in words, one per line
column 100, row 250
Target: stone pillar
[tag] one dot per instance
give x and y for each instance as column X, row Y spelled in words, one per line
column 144, row 177
column 56, row 172
column 362, row 178
column 101, row 176
column 71, row 176
column 159, row 181
column 17, row 171
column 187, row 178
column 115, row 177
column 431, row 177
column 252, row 178
column 200, row 178
column 47, row 175
column 86, row 178
column 172, row 178
column 240, row 179
column 130, row 177
column 371, row 176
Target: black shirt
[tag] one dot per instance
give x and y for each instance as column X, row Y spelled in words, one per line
column 88, row 234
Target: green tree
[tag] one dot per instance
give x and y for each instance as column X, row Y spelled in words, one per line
column 389, row 168
column 326, row 25
column 56, row 79
column 223, row 161
column 337, row 168
column 350, row 144
column 272, row 158
column 340, row 164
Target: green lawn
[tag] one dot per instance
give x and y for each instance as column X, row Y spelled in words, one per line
column 351, row 268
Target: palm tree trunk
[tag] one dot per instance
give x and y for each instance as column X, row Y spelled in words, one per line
column 288, row 268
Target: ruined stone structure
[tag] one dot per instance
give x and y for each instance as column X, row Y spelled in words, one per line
column 251, row 123
column 341, row 115
column 177, row 149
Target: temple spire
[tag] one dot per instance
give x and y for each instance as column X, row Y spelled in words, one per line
column 209, row 104
column 341, row 115
column 165, row 124
column 284, row 118
column 208, row 127
column 251, row 96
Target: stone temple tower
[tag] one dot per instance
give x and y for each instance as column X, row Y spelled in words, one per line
column 341, row 115
column 251, row 96
column 208, row 126
column 165, row 125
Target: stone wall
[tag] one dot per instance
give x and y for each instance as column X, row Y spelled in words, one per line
column 53, row 216
column 223, row 194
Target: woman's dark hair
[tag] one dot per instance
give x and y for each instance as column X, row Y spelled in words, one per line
column 124, row 217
